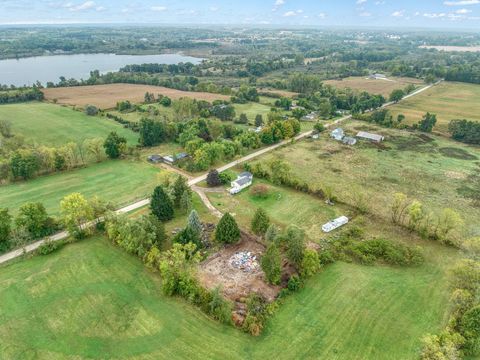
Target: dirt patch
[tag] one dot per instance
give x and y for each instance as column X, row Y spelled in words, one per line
column 455, row 175
column 107, row 96
column 414, row 142
column 457, row 153
column 236, row 283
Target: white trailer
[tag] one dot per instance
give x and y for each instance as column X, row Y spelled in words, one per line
column 335, row 224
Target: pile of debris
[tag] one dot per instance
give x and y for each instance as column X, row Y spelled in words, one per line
column 245, row 261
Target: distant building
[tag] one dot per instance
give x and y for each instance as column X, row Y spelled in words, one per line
column 310, row 117
column 377, row 76
column 335, row 224
column 172, row 159
column 155, row 159
column 243, row 181
column 337, row 134
column 348, row 140
column 369, row 136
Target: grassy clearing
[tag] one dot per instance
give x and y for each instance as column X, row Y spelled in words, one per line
column 116, row 181
column 447, row 100
column 92, row 300
column 55, row 125
column 251, row 109
column 373, row 86
column 438, row 172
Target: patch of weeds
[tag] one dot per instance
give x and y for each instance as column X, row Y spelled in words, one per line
column 457, row 153
column 417, row 143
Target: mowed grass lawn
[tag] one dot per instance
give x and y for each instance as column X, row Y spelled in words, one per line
column 91, row 300
column 55, row 125
column 252, row 109
column 117, row 181
column 448, row 100
column 439, row 172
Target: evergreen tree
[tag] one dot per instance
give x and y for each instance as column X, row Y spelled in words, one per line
column 258, row 120
column 260, row 222
column 272, row 264
column 271, row 233
column 295, row 239
column 227, row 230
column 194, row 222
column 186, row 202
column 179, row 187
column 161, row 204
column 187, row 235
column 5, row 228
column 213, row 178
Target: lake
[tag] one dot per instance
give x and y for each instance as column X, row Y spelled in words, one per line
column 49, row 68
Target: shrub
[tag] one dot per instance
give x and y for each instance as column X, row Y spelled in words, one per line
column 219, row 308
column 91, row 110
column 310, row 263
column 225, row 178
column 260, row 191
column 326, row 257
column 294, row 283
column 49, row 246
column 187, row 235
column 227, row 230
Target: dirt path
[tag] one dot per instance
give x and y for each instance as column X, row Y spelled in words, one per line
column 192, row 182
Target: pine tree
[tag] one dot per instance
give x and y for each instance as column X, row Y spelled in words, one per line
column 186, row 202
column 161, row 204
column 179, row 187
column 272, row 264
column 260, row 222
column 194, row 222
column 258, row 120
column 227, row 230
column 272, row 233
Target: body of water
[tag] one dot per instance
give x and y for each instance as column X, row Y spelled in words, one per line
column 49, row 68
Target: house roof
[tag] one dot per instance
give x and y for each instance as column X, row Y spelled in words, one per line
column 369, row 136
column 246, row 174
column 154, row 157
column 242, row 181
column 349, row 140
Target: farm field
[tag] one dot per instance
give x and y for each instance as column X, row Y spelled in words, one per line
column 107, row 96
column 447, row 100
column 117, row 181
column 438, row 172
column 383, row 87
column 92, row 300
column 55, row 125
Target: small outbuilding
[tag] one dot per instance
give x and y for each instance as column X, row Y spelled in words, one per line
column 155, row 159
column 348, row 140
column 335, row 224
column 337, row 134
column 172, row 159
column 370, row 136
column 243, row 181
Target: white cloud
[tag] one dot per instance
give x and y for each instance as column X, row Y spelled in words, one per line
column 80, row 7
column 158, row 8
column 214, row 8
column 398, row 13
column 322, row 15
column 461, row 2
column 463, row 11
column 290, row 14
column 434, row 15
column 360, row 2
column 278, row 4
column 365, row 14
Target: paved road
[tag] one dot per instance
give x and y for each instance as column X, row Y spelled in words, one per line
column 139, row 204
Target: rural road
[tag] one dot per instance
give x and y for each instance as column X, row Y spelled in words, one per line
column 192, row 182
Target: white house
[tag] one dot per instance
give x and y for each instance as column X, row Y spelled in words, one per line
column 334, row 224
column 243, row 181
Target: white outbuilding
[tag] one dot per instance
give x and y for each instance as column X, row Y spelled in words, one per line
column 335, row 224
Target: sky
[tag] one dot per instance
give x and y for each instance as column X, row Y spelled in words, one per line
column 374, row 13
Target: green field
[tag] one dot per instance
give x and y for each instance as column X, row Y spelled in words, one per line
column 438, row 172
column 55, row 125
column 92, row 300
column 448, row 101
column 117, row 181
column 252, row 109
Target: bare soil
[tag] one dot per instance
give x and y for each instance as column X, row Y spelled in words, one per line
column 235, row 283
column 107, row 96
